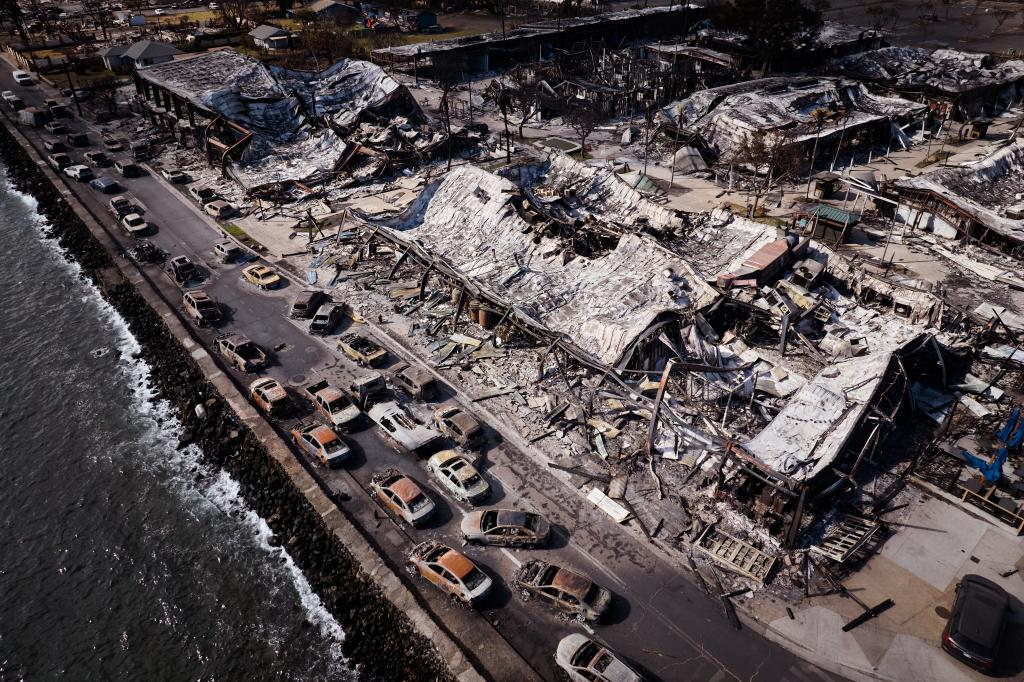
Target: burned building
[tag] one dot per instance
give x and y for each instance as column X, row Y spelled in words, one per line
column 982, row 201
column 975, row 85
column 459, row 58
column 265, row 125
column 802, row 113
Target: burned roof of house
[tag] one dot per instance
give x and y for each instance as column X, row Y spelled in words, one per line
column 293, row 115
column 723, row 116
column 466, row 219
column 916, row 69
column 988, row 190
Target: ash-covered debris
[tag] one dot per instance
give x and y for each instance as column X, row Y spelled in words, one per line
column 270, row 126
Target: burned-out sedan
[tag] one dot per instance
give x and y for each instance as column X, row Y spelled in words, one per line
column 584, row 660
column 270, row 396
column 458, row 476
column 460, row 426
column 505, row 528
column 322, row 443
column 567, row 591
column 451, row 571
column 401, row 496
column 261, row 276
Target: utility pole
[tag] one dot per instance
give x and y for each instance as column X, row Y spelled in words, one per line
column 71, row 86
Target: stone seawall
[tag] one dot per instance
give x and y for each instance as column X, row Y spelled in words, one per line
column 381, row 641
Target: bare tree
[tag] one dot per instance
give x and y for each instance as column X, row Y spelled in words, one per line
column 524, row 97
column 583, row 120
column 504, row 102
column 97, row 9
column 105, row 92
column 235, row 12
column 769, row 157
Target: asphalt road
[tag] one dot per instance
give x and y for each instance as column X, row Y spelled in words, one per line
column 659, row 620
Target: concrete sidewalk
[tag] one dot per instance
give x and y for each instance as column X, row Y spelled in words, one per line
column 934, row 544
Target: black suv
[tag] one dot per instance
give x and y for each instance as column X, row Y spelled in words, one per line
column 976, row 623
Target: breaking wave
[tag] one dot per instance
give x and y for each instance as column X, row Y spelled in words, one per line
column 203, row 489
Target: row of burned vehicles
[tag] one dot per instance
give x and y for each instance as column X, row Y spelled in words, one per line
column 342, row 407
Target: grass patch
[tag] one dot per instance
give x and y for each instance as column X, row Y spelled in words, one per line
column 204, row 16
column 242, row 236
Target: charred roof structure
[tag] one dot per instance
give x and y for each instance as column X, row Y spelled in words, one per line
column 982, row 201
column 265, row 125
column 502, row 247
column 799, row 111
column 977, row 84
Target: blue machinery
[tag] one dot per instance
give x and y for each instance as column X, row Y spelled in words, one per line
column 1009, row 438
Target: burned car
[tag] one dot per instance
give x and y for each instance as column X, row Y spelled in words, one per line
column 458, row 476
column 363, row 350
column 505, row 528
column 401, row 427
column 451, row 571
column 182, row 270
column 460, row 426
column 568, row 591
column 261, row 276
column 201, row 308
column 401, row 496
column 416, row 381
column 241, row 352
column 270, row 396
column 584, row 660
column 322, row 443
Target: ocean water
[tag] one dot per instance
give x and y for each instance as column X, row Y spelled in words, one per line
column 123, row 557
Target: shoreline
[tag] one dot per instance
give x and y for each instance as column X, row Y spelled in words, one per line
column 381, row 641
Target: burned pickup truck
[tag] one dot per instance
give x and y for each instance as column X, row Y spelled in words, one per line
column 332, row 404
column 241, row 352
column 363, row 350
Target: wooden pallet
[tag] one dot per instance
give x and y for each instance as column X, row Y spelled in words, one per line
column 845, row 538
column 735, row 554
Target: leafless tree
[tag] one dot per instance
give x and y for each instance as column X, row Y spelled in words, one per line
column 235, row 11
column 505, row 105
column 98, row 11
column 524, row 97
column 583, row 120
column 105, row 92
column 769, row 157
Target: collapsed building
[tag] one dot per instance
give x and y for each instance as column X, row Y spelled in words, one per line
column 822, row 114
column 688, row 361
column 832, row 40
column 982, row 201
column 975, row 85
column 266, row 126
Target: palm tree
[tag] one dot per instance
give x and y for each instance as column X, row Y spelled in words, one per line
column 818, row 118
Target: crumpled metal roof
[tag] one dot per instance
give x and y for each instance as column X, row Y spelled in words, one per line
column 724, row 116
column 984, row 190
column 916, row 68
column 276, row 104
column 601, row 305
column 812, row 430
